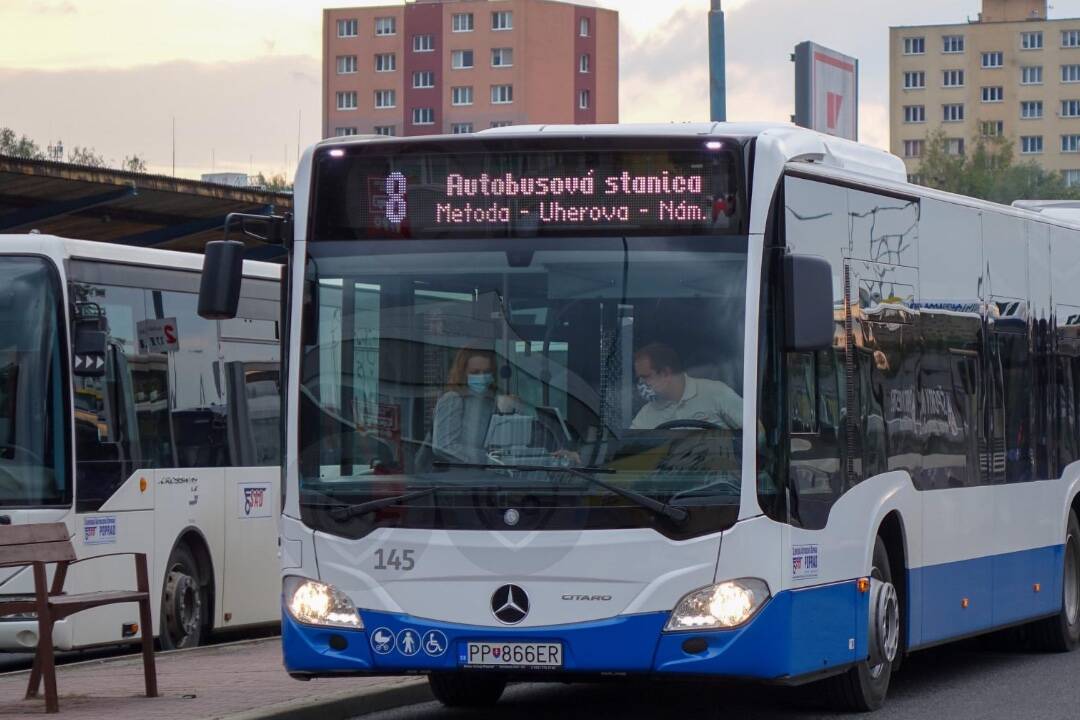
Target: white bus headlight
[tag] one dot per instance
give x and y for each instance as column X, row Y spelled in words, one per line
column 724, row 605
column 315, row 603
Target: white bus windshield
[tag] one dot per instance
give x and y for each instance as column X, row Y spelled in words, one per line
column 33, row 467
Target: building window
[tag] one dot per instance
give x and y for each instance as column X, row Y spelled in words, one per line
column 423, row 80
column 461, row 128
column 346, row 100
column 953, row 44
column 385, row 98
column 461, row 59
column 385, row 62
column 584, row 62
column 992, row 128
column 915, row 179
column 423, row 43
column 952, row 78
column 502, row 20
column 1070, row 143
column 386, row 26
column 953, row 112
column 1031, row 40
column 1031, row 144
column 345, row 131
column 913, row 148
column 954, row 146
column 387, row 130
column 583, row 27
column 1070, row 108
column 1031, row 75
column 502, row 94
column 914, row 80
column 914, row 46
column 584, row 98
column 993, row 59
column 501, row 123
column 461, row 95
column 502, row 57
column 1031, row 109
column 1070, row 38
column 347, row 28
column 463, row 22
column 423, row 116
column 993, row 94
column 1072, row 177
column 914, row 113
column 346, row 64
column 1070, row 73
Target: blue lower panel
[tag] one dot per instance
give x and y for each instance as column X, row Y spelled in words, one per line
column 999, row 590
column 795, row 633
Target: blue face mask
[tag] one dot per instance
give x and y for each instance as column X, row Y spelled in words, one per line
column 646, row 391
column 480, row 382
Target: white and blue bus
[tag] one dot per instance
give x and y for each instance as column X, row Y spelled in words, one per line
column 686, row 400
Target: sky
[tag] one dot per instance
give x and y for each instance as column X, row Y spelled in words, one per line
column 242, row 77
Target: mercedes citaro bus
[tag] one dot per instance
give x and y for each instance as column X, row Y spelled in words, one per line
column 707, row 400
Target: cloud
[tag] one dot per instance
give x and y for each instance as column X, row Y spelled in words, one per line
column 62, row 7
column 244, row 113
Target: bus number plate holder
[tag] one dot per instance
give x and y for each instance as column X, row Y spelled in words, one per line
column 516, row 655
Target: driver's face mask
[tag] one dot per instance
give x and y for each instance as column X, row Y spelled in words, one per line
column 645, row 390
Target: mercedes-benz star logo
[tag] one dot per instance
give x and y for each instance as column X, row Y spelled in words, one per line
column 510, row 604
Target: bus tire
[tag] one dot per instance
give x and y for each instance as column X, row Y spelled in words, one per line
column 183, row 602
column 863, row 688
column 1061, row 633
column 467, row 690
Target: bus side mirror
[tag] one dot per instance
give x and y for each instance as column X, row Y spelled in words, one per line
column 223, row 271
column 808, row 311
column 90, row 344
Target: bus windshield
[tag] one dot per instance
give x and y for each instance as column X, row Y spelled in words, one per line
column 424, row 360
column 33, row 471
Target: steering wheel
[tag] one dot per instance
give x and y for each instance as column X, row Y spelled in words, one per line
column 689, row 424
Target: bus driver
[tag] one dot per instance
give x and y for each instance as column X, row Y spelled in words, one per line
column 673, row 395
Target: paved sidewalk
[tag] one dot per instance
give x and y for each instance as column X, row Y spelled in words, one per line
column 239, row 680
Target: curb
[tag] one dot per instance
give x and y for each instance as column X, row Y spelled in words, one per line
column 344, row 705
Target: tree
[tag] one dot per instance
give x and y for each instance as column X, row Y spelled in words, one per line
column 988, row 171
column 134, row 164
column 86, row 156
column 20, row 147
column 274, row 183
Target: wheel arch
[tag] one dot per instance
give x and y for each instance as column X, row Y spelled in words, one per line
column 194, row 539
column 893, row 533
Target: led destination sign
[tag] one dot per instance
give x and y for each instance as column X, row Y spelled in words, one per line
column 528, row 194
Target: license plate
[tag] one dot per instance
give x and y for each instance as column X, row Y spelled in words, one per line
column 529, row 655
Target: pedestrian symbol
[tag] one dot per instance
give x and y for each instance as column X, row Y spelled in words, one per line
column 408, row 642
column 382, row 641
column 434, row 643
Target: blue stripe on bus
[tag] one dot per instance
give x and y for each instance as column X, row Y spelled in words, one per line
column 797, row 633
column 1000, row 590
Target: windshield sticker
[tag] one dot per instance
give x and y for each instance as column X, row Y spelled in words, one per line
column 804, row 561
column 99, row 530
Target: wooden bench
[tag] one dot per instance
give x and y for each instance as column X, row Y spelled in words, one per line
column 41, row 544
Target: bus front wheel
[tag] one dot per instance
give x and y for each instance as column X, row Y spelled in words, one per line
column 183, row 605
column 467, row 690
column 1061, row 633
column 864, row 686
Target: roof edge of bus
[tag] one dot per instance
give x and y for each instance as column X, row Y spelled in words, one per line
column 796, row 143
column 16, row 243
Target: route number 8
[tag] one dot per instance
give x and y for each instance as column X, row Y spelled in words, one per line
column 395, row 197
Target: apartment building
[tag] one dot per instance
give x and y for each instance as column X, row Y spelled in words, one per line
column 1009, row 72
column 428, row 67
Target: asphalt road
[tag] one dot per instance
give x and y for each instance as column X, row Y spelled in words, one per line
column 956, row 683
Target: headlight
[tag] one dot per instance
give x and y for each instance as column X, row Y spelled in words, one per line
column 725, row 605
column 316, row 603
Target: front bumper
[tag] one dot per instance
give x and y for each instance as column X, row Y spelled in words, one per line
column 796, row 633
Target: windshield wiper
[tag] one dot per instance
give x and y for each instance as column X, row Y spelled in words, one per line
column 344, row 512
column 675, row 514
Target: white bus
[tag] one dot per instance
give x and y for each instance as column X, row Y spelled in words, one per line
column 143, row 428
column 708, row 400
